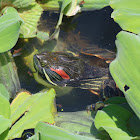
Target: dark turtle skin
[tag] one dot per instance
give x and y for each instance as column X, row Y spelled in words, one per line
column 64, row 69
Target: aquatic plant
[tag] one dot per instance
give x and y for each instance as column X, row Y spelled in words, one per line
column 117, row 121
column 25, row 112
column 20, row 19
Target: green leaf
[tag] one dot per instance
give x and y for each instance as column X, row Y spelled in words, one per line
column 89, row 4
column 43, row 35
column 31, row 109
column 77, row 122
column 134, row 125
column 33, row 138
column 68, row 7
column 46, row 131
column 113, row 119
column 8, row 74
column 5, row 107
column 31, row 16
column 125, row 68
column 22, row 3
column 127, row 14
column 94, row 4
column 10, row 24
column 115, row 100
column 4, row 124
column 4, row 92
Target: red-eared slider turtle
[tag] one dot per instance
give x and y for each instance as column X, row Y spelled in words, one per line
column 88, row 70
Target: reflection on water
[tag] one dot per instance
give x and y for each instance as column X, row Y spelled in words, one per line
column 87, row 29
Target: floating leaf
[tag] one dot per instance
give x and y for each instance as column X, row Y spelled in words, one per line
column 10, row 23
column 127, row 14
column 94, row 4
column 89, row 4
column 33, row 108
column 31, row 16
column 51, row 132
column 125, row 69
column 113, row 119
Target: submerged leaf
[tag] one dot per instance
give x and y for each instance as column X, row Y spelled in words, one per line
column 46, row 131
column 43, row 35
column 77, row 122
column 125, row 69
column 31, row 110
column 8, row 75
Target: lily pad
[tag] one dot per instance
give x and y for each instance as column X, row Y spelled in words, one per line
column 27, row 110
column 127, row 14
column 125, row 69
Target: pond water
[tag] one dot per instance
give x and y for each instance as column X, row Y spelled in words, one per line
column 95, row 28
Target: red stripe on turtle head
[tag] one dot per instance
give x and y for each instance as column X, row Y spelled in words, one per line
column 61, row 73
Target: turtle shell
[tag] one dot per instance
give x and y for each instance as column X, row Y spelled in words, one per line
column 103, row 54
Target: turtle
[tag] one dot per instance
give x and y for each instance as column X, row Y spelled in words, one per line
column 89, row 69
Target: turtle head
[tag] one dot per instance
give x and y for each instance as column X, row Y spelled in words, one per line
column 58, row 68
